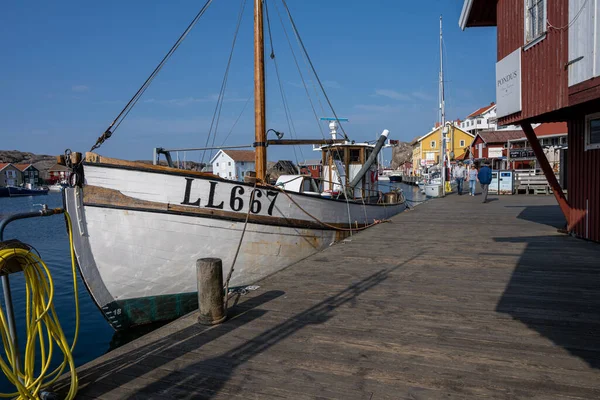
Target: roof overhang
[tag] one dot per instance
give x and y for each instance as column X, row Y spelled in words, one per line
column 477, row 13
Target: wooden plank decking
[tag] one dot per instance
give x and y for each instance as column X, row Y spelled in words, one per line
column 454, row 299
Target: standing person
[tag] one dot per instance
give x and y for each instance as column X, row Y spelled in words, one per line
column 485, row 178
column 472, row 180
column 459, row 174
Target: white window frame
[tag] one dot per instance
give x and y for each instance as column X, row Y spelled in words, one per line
column 432, row 144
column 462, row 143
column 528, row 39
column 588, row 145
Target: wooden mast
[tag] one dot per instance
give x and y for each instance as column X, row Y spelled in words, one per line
column 260, row 129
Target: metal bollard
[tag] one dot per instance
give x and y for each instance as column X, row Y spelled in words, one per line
column 210, row 291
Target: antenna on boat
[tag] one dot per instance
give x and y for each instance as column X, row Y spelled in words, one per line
column 333, row 125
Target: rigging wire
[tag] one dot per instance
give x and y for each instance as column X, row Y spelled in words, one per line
column 312, row 66
column 219, row 106
column 333, row 147
column 123, row 114
column 237, row 120
column 281, row 90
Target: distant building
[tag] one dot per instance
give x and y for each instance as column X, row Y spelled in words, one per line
column 510, row 149
column 483, row 118
column 233, row 164
column 426, row 149
column 59, row 173
column 10, row 175
column 492, row 146
column 30, row 174
column 311, row 167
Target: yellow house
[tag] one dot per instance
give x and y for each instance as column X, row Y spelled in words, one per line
column 426, row 149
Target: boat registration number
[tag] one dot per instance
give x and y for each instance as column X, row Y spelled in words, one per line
column 258, row 200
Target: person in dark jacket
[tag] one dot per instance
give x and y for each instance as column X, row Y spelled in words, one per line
column 485, row 178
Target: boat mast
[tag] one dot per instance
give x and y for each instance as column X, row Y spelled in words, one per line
column 442, row 117
column 260, row 128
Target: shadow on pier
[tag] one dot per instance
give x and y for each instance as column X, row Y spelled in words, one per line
column 186, row 378
column 555, row 287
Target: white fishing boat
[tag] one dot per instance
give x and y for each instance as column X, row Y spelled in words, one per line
column 139, row 228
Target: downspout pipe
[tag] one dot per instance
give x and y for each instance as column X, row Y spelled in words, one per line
column 372, row 158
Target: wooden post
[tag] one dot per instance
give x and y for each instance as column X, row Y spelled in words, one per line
column 210, row 291
column 548, row 172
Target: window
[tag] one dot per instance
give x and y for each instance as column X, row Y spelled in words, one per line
column 229, row 164
column 355, row 155
column 478, row 122
column 230, row 174
column 592, row 131
column 535, row 21
column 242, row 163
column 433, row 144
column 217, row 164
column 462, row 143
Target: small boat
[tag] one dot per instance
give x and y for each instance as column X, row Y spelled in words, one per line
column 14, row 191
column 58, row 187
column 395, row 176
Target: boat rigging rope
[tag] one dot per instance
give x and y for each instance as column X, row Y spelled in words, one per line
column 286, row 108
column 337, row 228
column 123, row 114
column 313, row 67
column 237, row 251
column 44, row 332
column 219, row 106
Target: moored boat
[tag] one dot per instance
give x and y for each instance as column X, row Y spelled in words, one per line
column 139, row 228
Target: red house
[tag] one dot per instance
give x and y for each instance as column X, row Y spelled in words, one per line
column 492, row 146
column 547, row 72
column 311, row 167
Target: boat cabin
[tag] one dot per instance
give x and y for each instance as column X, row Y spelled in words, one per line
column 342, row 163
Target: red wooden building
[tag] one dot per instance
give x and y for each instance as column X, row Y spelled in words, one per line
column 492, row 145
column 548, row 71
column 311, row 167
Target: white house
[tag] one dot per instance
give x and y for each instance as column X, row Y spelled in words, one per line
column 481, row 119
column 233, row 164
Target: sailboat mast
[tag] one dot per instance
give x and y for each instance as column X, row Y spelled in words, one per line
column 260, row 128
column 442, row 117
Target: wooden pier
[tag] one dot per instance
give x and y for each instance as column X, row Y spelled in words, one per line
column 453, row 300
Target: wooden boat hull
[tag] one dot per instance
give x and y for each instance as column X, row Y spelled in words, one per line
column 138, row 234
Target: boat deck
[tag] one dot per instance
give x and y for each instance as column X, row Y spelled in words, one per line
column 454, row 299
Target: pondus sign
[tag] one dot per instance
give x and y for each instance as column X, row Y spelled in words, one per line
column 522, row 154
column 508, row 84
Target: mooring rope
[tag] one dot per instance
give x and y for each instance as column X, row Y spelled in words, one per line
column 237, row 251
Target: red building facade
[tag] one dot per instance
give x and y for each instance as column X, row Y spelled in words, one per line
column 556, row 42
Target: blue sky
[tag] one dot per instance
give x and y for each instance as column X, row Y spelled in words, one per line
column 70, row 66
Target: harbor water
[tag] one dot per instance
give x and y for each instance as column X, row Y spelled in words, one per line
column 48, row 236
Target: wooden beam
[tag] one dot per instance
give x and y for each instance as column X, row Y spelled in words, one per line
column 304, row 141
column 548, row 172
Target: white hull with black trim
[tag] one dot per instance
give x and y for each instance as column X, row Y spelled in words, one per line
column 139, row 231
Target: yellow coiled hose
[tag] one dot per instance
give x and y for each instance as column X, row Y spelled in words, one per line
column 44, row 333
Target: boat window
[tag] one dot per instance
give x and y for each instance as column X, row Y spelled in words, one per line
column 355, row 155
column 336, row 154
column 306, row 187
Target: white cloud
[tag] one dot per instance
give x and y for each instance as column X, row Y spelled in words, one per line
column 332, row 84
column 80, row 88
column 422, row 96
column 392, row 94
column 185, row 101
column 378, row 108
